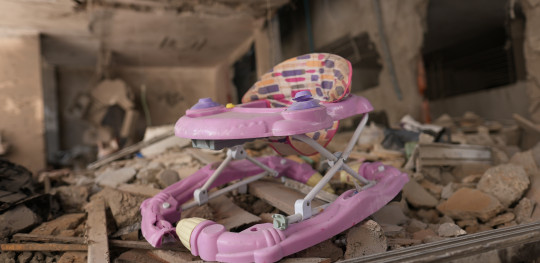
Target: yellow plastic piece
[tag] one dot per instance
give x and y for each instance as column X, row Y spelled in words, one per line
column 346, row 177
column 229, row 106
column 315, row 178
column 185, row 227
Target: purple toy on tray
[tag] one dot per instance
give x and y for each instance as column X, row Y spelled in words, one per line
column 296, row 107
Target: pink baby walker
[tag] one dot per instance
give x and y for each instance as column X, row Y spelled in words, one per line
column 319, row 85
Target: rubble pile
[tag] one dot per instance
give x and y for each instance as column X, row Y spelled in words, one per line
column 466, row 177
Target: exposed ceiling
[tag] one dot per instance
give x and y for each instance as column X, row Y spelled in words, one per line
column 154, row 33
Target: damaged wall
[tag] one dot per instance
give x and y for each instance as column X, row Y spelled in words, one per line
column 531, row 8
column 21, row 100
column 404, row 26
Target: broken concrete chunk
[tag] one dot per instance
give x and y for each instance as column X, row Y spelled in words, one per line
column 446, row 219
column 365, row 239
column 534, row 195
column 467, row 222
column 430, row 215
column 433, row 188
column 524, row 210
column 116, row 177
column 16, row 220
column 124, row 207
column 447, row 191
column 167, row 177
column 416, row 225
column 467, row 203
column 501, row 219
column 72, row 198
column 506, row 182
column 148, row 175
column 64, row 222
column 417, row 196
column 450, row 230
column 526, row 160
column 423, row 234
column 73, row 257
column 392, row 230
column 391, row 214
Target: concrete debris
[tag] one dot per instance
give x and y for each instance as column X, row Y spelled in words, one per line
column 72, row 198
column 124, row 207
column 417, row 196
column 167, row 177
column 450, row 230
column 525, row 160
column 506, row 182
column 64, row 222
column 423, row 234
column 416, row 225
column 16, row 220
column 447, row 191
column 524, row 210
column 325, row 249
column 429, row 215
column 391, row 214
column 115, row 178
column 365, row 239
column 467, row 203
column 433, row 188
column 501, row 219
column 392, row 230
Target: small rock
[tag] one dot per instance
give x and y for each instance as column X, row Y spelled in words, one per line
column 450, row 230
column 447, row 177
column 467, row 222
column 432, row 172
column 446, row 219
column 73, row 257
column 7, row 257
column 473, row 178
column 390, row 214
column 447, row 191
column 365, row 239
column 167, row 177
column 507, row 224
column 325, row 249
column 524, row 210
column 499, row 156
column 423, row 234
column 501, row 219
column 416, row 225
column 417, row 196
column 64, row 222
column 148, row 175
column 525, row 160
column 467, row 203
column 114, row 178
column 24, row 257
column 16, row 220
column 430, row 216
column 392, row 230
column 534, row 195
column 434, row 189
column 38, row 258
column 506, row 182
column 72, row 198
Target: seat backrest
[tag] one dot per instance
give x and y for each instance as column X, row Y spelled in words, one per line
column 326, row 76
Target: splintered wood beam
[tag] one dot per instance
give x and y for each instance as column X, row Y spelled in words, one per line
column 230, row 214
column 279, row 196
column 42, row 247
column 98, row 243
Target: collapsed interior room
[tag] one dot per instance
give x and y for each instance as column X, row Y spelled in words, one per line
column 91, row 90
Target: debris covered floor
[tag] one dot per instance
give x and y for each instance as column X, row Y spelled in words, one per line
column 481, row 182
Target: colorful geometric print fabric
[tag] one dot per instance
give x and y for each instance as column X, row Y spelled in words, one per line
column 326, row 76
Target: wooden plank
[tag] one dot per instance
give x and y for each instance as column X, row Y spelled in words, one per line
column 278, row 195
column 305, row 189
column 80, row 240
column 527, row 124
column 98, row 244
column 229, row 214
column 42, row 247
column 138, row 189
column 128, row 150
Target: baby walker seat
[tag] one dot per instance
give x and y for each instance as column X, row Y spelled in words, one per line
column 319, row 87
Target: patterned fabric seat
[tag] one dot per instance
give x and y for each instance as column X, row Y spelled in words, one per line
column 326, row 76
